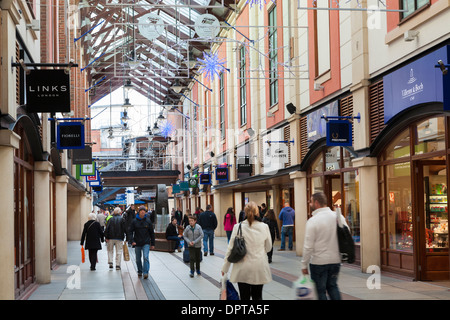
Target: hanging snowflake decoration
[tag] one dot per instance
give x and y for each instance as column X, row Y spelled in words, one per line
column 261, row 3
column 211, row 65
column 167, row 129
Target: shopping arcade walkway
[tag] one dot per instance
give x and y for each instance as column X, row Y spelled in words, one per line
column 169, row 280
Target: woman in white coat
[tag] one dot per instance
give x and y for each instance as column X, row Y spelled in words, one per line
column 253, row 271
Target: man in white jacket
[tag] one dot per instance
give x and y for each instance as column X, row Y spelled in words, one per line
column 321, row 248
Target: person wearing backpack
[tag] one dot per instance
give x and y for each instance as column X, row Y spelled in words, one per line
column 321, row 248
column 142, row 237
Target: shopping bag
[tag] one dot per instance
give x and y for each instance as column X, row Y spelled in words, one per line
column 126, row 253
column 83, row 255
column 304, row 288
column 228, row 292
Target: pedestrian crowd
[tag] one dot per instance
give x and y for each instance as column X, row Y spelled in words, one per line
column 257, row 224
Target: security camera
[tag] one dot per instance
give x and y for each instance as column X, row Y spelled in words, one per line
column 443, row 67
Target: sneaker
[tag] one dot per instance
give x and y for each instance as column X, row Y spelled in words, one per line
column 199, row 273
column 117, row 267
column 110, row 265
column 139, row 274
column 211, row 254
column 205, row 254
column 281, row 249
column 191, row 274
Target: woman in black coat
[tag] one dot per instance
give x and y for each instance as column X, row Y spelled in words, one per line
column 270, row 219
column 93, row 234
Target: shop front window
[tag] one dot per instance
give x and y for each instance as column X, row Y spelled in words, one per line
column 317, row 166
column 399, row 147
column 333, row 159
column 399, row 220
column 351, row 202
column 430, row 136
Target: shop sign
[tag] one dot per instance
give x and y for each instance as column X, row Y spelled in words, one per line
column 244, row 165
column 82, row 156
column 193, row 182
column 88, row 169
column 184, row 186
column 205, row 178
column 416, row 83
column 176, row 189
column 93, row 178
column 221, row 174
column 70, row 135
column 207, row 26
column 339, row 133
column 151, row 26
column 48, row 91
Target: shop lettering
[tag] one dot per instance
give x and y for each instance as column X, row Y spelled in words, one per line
column 48, row 89
column 70, row 135
column 409, row 93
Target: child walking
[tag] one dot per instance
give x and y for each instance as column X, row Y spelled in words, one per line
column 193, row 236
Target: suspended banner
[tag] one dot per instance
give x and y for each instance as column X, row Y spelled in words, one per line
column 70, row 135
column 221, row 174
column 205, row 178
column 339, row 133
column 94, row 178
column 48, row 91
column 82, row 156
column 88, row 169
column 207, row 26
column 193, row 182
column 151, row 26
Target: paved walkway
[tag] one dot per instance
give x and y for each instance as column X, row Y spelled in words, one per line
column 169, row 280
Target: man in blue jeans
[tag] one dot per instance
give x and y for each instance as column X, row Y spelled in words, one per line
column 142, row 238
column 208, row 222
column 321, row 248
column 287, row 215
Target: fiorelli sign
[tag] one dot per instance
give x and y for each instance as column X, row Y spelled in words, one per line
column 48, row 91
column 70, row 135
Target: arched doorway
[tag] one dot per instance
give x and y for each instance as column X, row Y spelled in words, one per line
column 330, row 170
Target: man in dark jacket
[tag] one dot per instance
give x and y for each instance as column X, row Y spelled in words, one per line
column 128, row 216
column 142, row 239
column 208, row 222
column 172, row 233
column 114, row 235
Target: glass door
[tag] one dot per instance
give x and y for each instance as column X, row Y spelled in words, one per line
column 432, row 219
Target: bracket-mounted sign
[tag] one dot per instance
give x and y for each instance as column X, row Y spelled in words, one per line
column 48, row 91
column 70, row 135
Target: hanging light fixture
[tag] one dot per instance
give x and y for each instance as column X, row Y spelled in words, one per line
column 177, row 87
column 127, row 103
column 161, row 116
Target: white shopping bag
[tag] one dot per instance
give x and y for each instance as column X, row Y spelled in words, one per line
column 304, row 288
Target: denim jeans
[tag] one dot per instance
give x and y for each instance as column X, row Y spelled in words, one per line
column 290, row 231
column 325, row 278
column 144, row 250
column 208, row 235
column 176, row 239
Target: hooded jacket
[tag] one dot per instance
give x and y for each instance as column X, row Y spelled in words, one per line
column 287, row 214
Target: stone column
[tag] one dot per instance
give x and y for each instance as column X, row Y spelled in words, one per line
column 222, row 201
column 9, row 141
column 369, row 213
column 42, row 171
column 61, row 219
column 301, row 208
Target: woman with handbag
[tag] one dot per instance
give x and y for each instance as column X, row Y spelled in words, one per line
column 92, row 234
column 252, row 271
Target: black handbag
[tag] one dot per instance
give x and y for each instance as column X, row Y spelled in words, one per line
column 239, row 250
column 346, row 243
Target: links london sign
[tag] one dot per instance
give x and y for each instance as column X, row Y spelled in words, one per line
column 48, row 91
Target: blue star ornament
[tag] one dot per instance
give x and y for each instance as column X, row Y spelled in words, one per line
column 261, row 3
column 211, row 65
column 167, row 129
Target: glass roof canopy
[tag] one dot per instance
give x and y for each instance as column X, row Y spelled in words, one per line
column 117, row 51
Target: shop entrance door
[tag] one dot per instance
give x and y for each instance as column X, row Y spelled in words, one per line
column 333, row 190
column 431, row 219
